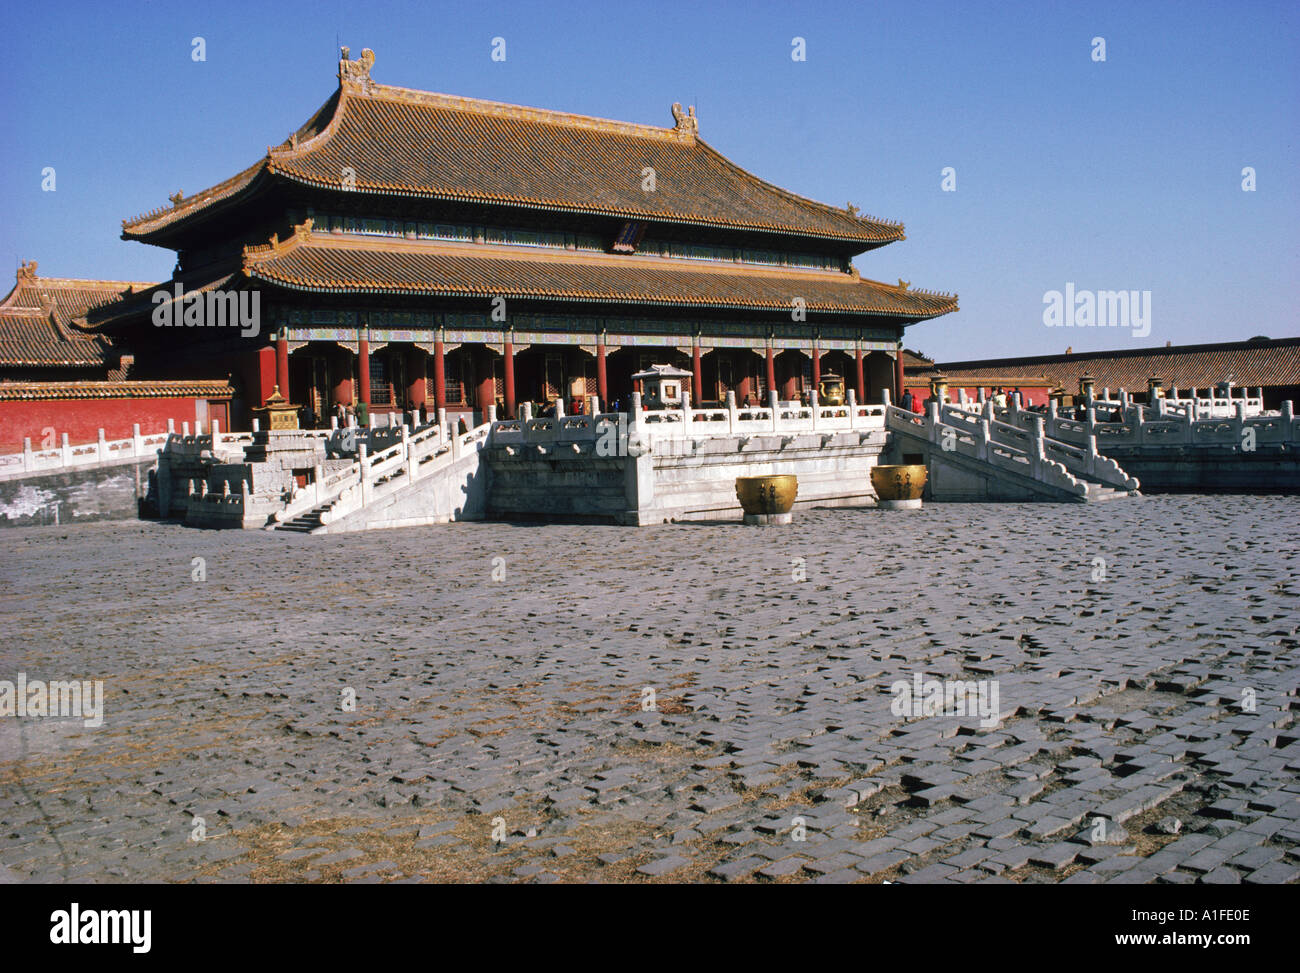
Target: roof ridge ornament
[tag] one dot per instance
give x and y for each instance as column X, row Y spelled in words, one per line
column 687, row 125
column 356, row 74
column 26, row 271
column 176, row 198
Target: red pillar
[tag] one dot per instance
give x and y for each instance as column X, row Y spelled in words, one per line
column 771, row 369
column 745, row 386
column 363, row 369
column 790, row 386
column 439, row 376
column 510, row 378
column 264, row 370
column 898, row 377
column 697, row 378
column 862, row 384
column 417, row 389
column 817, row 368
column 602, row 385
column 487, row 386
column 282, row 363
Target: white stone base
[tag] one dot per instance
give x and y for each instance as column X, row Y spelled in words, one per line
column 899, row 504
column 768, row 520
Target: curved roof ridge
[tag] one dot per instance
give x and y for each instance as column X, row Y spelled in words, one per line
column 213, row 194
column 547, row 116
column 803, row 200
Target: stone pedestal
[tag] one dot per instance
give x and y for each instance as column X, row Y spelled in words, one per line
column 899, row 504
column 768, row 520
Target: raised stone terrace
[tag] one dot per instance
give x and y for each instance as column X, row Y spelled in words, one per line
column 1145, row 655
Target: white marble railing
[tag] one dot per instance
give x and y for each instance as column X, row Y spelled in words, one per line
column 69, row 456
column 1142, row 426
column 645, row 426
column 1209, row 406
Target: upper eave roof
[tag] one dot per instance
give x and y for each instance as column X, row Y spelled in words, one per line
column 386, row 140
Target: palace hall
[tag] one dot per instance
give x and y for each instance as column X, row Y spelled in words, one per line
column 412, row 250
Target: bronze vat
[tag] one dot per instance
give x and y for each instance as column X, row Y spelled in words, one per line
column 767, row 494
column 898, row 482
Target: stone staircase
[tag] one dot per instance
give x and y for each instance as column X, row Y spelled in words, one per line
column 418, row 475
column 976, row 453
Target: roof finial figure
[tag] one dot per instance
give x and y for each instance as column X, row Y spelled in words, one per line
column 176, row 197
column 688, row 125
column 357, row 71
column 27, row 270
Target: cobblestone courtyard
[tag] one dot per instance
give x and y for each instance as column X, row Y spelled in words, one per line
column 513, row 707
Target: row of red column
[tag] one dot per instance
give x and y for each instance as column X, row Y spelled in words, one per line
column 487, row 388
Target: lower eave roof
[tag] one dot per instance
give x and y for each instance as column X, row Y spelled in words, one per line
column 327, row 264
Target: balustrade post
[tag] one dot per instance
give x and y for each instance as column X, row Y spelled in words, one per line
column 137, row 441
column 885, row 398
column 771, row 404
column 408, row 454
column 492, row 413
column 29, row 461
column 364, row 458
column 986, row 434
column 67, row 450
column 812, row 402
column 317, row 482
column 731, row 410
column 853, row 408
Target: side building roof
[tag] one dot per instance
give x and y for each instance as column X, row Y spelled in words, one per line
column 38, row 320
column 380, row 139
column 1254, row 363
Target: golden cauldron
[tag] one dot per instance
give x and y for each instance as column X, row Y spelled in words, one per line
column 831, row 391
column 767, row 494
column 898, row 482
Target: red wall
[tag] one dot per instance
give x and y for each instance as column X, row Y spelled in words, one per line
column 82, row 419
column 1029, row 395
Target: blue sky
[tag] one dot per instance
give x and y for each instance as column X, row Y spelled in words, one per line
column 1124, row 174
